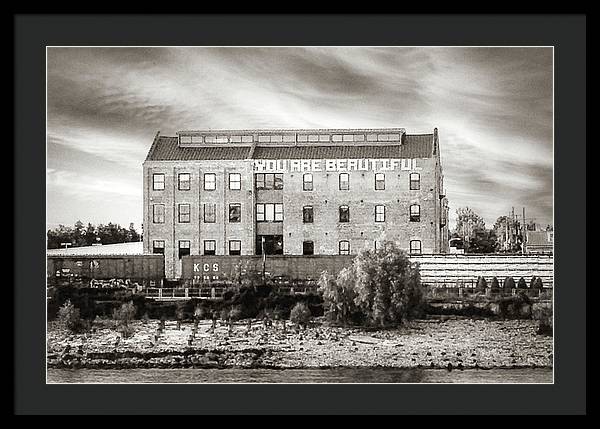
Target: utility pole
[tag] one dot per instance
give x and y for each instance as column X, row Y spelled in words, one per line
column 264, row 258
column 524, row 233
column 506, row 245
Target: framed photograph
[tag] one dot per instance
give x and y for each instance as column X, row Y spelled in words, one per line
column 243, row 217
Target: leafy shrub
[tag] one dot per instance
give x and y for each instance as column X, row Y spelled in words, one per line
column 70, row 319
column 199, row 312
column 339, row 294
column 123, row 316
column 224, row 314
column 495, row 285
column 544, row 317
column 180, row 311
column 235, row 313
column 522, row 284
column 538, row 284
column 509, row 283
column 515, row 307
column 532, row 282
column 300, row 314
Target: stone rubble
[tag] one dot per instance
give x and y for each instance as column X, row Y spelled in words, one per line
column 456, row 343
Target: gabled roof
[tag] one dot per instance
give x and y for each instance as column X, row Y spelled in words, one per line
column 538, row 238
column 413, row 146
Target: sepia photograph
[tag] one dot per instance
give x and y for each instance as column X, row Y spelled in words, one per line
column 299, row 214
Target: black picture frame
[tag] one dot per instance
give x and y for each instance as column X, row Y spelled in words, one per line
column 567, row 33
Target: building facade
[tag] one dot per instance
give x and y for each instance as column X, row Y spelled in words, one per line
column 292, row 192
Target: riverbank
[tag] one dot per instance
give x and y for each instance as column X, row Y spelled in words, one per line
column 435, row 343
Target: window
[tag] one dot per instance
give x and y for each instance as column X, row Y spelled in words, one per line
column 235, row 213
column 415, row 181
column 415, row 247
column 344, row 214
column 278, row 212
column 235, row 247
column 278, row 181
column 184, row 248
column 308, row 248
column 260, row 212
column 307, row 214
column 269, row 212
column 269, row 181
column 344, row 247
column 210, row 213
column 158, row 213
column 379, row 181
column 183, row 181
column 260, row 180
column 379, row 213
column 235, row 181
column 158, row 247
column 210, row 247
column 210, row 181
column 266, row 181
column 158, row 182
column 184, row 213
column 307, row 182
column 344, row 181
column 415, row 213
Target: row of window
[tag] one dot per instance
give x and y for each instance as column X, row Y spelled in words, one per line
column 344, row 213
column 280, row 138
column 267, row 181
column 270, row 212
column 344, row 182
column 210, row 247
column 184, row 181
column 235, row 247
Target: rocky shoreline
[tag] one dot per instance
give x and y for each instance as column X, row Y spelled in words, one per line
column 450, row 343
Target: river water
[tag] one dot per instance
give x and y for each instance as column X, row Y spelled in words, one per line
column 338, row 375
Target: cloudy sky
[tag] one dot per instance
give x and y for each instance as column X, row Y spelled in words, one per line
column 492, row 106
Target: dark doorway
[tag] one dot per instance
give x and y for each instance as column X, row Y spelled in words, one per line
column 273, row 244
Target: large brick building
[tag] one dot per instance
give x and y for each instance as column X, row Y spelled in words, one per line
column 292, row 192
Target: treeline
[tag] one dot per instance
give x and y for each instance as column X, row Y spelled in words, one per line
column 80, row 235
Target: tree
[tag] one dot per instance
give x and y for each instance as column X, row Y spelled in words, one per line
column 481, row 283
column 388, row 287
column 132, row 234
column 80, row 236
column 382, row 286
column 483, row 241
column 509, row 283
column 522, row 284
column 467, row 222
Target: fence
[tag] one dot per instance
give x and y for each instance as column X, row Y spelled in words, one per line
column 210, row 292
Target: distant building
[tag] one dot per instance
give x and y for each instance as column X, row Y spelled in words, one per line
column 539, row 242
column 292, row 192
